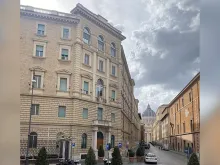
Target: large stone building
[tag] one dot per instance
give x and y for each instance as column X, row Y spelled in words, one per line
column 83, row 93
column 184, row 113
column 148, row 117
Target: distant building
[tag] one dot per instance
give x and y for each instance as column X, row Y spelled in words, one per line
column 148, row 117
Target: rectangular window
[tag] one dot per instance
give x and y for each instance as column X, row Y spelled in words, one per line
column 66, row 33
column 40, row 29
column 86, row 60
column 37, row 84
column 178, row 129
column 177, row 108
column 86, row 87
column 190, row 96
column 85, row 113
column 39, row 50
column 35, row 109
column 184, row 128
column 191, row 125
column 101, row 65
column 62, row 111
column 113, row 95
column 113, row 70
column 182, row 101
column 100, row 110
column 113, row 117
column 64, row 54
column 63, row 84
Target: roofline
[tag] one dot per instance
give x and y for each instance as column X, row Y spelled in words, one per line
column 83, row 10
column 197, row 76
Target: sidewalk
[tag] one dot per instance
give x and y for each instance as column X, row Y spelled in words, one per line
column 177, row 152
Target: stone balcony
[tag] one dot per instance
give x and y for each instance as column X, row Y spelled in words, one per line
column 102, row 123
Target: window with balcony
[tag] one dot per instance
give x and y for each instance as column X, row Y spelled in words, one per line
column 39, row 51
column 86, row 87
column 63, row 84
column 100, row 43
column 62, row 111
column 86, row 35
column 35, row 109
column 85, row 113
column 113, row 50
column 33, row 140
column 99, row 88
column 100, row 113
column 41, row 29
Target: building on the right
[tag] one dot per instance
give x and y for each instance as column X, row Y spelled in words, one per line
column 184, row 118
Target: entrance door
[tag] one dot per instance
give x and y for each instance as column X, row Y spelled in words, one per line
column 99, row 139
column 67, row 150
column 61, row 149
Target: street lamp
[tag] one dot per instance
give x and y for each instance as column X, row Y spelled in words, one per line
column 29, row 129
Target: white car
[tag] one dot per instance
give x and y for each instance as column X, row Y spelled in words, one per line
column 150, row 158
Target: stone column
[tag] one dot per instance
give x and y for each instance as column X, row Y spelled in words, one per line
column 107, row 82
column 94, row 75
column 95, row 130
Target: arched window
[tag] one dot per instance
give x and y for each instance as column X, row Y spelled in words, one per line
column 112, row 141
column 84, row 141
column 86, row 35
column 33, row 140
column 99, row 88
column 113, row 50
column 101, row 43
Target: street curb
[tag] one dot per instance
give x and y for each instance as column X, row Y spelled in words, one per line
column 179, row 153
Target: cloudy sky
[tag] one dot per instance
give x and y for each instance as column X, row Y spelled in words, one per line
column 162, row 45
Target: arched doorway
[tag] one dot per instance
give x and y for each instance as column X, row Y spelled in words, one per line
column 100, row 139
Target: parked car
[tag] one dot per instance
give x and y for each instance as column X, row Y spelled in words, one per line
column 150, row 158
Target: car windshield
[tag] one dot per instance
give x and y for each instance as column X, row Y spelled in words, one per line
column 151, row 155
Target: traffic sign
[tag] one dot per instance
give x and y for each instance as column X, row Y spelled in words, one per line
column 73, row 145
column 119, row 145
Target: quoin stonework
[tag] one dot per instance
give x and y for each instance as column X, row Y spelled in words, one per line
column 83, row 94
column 177, row 125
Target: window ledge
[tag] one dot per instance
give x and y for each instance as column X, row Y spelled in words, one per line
column 64, row 60
column 39, row 35
column 89, row 66
column 100, row 71
column 38, row 57
column 63, row 91
column 65, row 39
column 37, row 89
column 113, row 75
column 86, row 94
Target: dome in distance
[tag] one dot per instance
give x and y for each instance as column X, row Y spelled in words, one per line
column 149, row 112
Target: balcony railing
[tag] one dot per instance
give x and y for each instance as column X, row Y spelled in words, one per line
column 100, row 99
column 102, row 123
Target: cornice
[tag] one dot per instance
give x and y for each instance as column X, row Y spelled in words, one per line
column 63, row 71
column 57, row 18
column 37, row 68
column 81, row 10
column 88, row 76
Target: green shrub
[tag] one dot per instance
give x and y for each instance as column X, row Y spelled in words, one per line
column 193, row 160
column 140, row 151
column 90, row 157
column 42, row 157
column 131, row 153
column 101, row 151
column 116, row 157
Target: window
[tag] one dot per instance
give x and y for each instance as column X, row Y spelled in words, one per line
column 39, row 51
column 62, row 111
column 101, row 43
column 85, row 113
column 66, row 33
column 86, row 35
column 177, row 108
column 33, row 140
column 184, row 144
column 41, row 29
column 112, row 117
column 100, row 113
column 113, row 95
column 182, row 101
column 113, row 70
column 63, row 84
column 99, row 88
column 101, row 65
column 184, row 128
column 113, row 50
column 64, row 54
column 84, row 141
column 112, row 141
column 86, row 87
column 190, row 96
column 86, row 59
column 191, row 125
column 37, row 78
column 178, row 129
column 35, row 109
